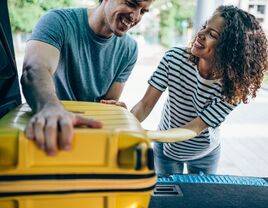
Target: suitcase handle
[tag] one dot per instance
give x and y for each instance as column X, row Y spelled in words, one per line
column 138, row 156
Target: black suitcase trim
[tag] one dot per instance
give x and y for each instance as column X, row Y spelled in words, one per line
column 8, row 194
column 73, row 176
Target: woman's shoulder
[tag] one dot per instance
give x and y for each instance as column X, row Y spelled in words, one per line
column 180, row 50
column 181, row 53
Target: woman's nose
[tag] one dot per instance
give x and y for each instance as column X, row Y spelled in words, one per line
column 201, row 35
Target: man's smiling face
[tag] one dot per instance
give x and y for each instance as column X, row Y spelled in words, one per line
column 121, row 15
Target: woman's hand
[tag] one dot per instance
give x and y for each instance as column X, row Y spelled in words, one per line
column 114, row 102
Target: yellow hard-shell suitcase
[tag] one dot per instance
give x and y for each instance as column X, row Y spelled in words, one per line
column 116, row 158
column 79, row 200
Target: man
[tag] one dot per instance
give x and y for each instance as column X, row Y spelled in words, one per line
column 77, row 54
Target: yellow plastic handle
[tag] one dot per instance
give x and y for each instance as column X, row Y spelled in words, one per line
column 171, row 135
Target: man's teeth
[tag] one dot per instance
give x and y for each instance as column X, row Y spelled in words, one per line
column 126, row 23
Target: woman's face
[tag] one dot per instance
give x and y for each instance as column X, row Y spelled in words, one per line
column 207, row 38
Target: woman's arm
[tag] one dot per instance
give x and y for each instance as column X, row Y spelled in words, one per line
column 144, row 107
column 197, row 125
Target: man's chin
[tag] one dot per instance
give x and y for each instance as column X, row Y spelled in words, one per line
column 120, row 33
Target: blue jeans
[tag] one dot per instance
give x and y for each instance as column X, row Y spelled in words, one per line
column 165, row 166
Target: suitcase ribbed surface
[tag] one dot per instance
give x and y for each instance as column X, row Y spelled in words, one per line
column 113, row 117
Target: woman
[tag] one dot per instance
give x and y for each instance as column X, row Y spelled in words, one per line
column 223, row 67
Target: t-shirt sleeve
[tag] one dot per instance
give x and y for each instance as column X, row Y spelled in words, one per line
column 159, row 79
column 50, row 29
column 216, row 113
column 132, row 59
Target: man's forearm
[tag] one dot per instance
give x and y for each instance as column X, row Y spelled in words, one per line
column 38, row 88
column 40, row 63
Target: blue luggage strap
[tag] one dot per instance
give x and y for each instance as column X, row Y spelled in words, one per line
column 214, row 179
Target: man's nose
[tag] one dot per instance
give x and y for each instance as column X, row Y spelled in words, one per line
column 136, row 15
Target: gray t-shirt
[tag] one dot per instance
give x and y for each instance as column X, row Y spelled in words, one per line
column 88, row 64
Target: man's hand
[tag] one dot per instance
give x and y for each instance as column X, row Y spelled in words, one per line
column 114, row 102
column 52, row 128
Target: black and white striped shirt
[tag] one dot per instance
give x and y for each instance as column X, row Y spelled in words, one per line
column 189, row 96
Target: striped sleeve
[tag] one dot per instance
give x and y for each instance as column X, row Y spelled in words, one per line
column 159, row 79
column 216, row 113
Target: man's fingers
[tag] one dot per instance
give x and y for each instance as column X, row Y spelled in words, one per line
column 29, row 130
column 89, row 122
column 66, row 134
column 51, row 133
column 39, row 132
column 53, row 130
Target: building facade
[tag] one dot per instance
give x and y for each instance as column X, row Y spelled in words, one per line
column 259, row 8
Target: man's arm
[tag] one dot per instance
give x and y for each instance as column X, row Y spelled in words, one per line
column 52, row 126
column 40, row 62
column 115, row 91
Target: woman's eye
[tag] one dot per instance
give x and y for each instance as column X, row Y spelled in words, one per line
column 213, row 35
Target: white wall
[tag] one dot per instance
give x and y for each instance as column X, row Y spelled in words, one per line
column 204, row 9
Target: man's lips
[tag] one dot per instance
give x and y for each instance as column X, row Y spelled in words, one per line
column 126, row 22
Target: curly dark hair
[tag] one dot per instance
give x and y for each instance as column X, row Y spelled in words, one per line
column 241, row 55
